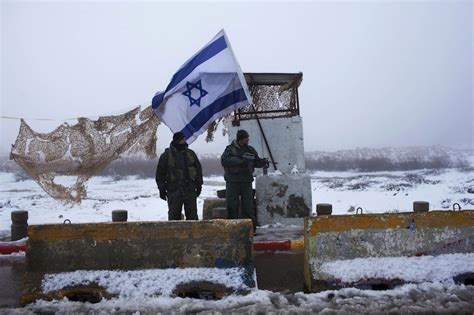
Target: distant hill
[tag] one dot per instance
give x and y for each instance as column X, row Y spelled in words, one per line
column 389, row 159
column 360, row 159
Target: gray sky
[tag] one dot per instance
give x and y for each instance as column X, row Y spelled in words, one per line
column 376, row 74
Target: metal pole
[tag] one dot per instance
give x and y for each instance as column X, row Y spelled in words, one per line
column 264, row 137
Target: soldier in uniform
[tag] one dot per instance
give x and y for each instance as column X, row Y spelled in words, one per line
column 239, row 160
column 179, row 178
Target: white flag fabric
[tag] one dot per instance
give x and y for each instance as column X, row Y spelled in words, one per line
column 208, row 86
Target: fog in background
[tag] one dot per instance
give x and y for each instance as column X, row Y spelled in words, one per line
column 375, row 74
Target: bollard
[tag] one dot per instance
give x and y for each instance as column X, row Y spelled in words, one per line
column 219, row 213
column 19, row 228
column 119, row 216
column 323, row 209
column 421, row 206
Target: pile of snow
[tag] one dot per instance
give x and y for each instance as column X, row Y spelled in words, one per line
column 410, row 298
column 410, row 269
column 139, row 284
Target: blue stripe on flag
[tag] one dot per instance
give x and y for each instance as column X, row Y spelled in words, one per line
column 207, row 53
column 157, row 99
column 218, row 105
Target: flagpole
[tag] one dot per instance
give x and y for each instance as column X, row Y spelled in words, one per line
column 247, row 92
column 264, row 137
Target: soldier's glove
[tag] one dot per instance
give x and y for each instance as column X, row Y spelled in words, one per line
column 266, row 163
column 249, row 157
column 163, row 194
column 198, row 190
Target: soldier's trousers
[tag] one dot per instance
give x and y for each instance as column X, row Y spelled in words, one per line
column 184, row 196
column 240, row 191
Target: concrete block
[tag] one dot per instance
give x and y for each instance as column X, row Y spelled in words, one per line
column 348, row 237
column 57, row 248
column 283, row 198
column 209, row 204
column 220, row 213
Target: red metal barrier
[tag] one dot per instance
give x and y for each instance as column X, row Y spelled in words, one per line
column 7, row 248
column 10, row 248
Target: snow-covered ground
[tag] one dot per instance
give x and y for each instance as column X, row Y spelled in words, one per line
column 425, row 298
column 139, row 196
column 373, row 191
column 346, row 191
column 142, row 284
column 393, row 191
column 441, row 268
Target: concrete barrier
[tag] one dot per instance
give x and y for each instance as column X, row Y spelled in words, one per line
column 283, row 199
column 209, row 204
column 220, row 213
column 348, row 238
column 53, row 249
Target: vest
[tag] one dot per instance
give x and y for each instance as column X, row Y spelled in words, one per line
column 177, row 174
column 241, row 168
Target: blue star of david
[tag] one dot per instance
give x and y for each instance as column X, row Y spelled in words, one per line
column 189, row 87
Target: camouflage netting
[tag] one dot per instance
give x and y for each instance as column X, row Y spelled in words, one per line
column 270, row 100
column 82, row 150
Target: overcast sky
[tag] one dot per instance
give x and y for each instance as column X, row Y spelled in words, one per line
column 376, row 74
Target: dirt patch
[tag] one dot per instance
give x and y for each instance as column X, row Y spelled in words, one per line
column 275, row 210
column 203, row 290
column 281, row 189
column 297, row 208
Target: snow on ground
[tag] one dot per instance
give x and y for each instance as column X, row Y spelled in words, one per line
column 139, row 196
column 395, row 191
column 139, row 284
column 426, row 298
column 374, row 192
column 410, row 269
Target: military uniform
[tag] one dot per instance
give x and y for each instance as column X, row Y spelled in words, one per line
column 179, row 179
column 239, row 163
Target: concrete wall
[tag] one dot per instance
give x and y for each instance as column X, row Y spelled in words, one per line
column 331, row 238
column 285, row 138
column 139, row 245
column 283, row 198
column 59, row 248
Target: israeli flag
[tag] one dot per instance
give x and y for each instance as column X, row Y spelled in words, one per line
column 208, row 86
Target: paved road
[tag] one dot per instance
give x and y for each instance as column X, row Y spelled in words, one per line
column 11, row 273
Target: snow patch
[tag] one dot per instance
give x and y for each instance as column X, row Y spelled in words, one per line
column 144, row 283
column 410, row 269
column 409, row 298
